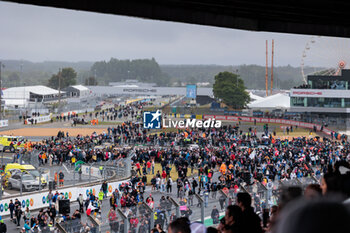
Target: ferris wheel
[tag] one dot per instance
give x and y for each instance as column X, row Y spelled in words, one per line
column 325, row 56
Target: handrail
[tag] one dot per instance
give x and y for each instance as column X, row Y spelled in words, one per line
column 60, row 228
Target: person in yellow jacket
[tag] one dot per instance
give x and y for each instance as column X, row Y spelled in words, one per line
column 230, row 166
column 100, row 196
column 223, row 168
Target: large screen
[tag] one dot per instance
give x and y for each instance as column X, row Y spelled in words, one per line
column 191, row 91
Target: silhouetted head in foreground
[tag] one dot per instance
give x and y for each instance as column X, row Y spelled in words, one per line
column 319, row 216
column 180, row 225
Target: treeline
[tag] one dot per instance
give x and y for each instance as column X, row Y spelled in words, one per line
column 144, row 70
column 253, row 76
column 22, row 72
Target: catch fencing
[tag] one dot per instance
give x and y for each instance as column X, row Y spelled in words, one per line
column 143, row 218
column 266, row 195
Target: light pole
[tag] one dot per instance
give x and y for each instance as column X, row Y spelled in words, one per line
column 59, row 87
column 21, row 66
column 1, row 66
column 21, row 188
column 24, row 99
column 95, row 77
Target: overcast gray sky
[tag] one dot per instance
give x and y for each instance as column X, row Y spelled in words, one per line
column 49, row 34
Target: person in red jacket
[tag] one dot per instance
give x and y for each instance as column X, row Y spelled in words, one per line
column 164, row 174
column 133, row 223
column 138, row 168
column 149, row 164
column 123, row 200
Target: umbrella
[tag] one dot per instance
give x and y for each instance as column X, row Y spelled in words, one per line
column 79, row 162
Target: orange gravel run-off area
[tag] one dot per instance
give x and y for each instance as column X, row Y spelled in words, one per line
column 48, row 132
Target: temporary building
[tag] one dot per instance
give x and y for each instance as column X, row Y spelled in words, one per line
column 254, row 97
column 277, row 101
column 23, row 95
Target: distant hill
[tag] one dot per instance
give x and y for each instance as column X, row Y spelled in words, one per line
column 285, row 77
column 146, row 70
column 34, row 73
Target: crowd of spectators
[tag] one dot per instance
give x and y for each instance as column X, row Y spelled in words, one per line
column 169, row 161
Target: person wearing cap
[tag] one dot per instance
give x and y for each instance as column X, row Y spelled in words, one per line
column 50, row 225
column 3, row 228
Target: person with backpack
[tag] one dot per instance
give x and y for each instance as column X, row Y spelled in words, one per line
column 3, row 228
column 61, row 179
column 179, row 186
column 169, row 185
column 194, row 185
column 18, row 214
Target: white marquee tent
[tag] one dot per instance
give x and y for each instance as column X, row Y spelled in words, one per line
column 22, row 95
column 277, row 101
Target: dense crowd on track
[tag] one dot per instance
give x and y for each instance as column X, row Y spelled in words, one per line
column 203, row 161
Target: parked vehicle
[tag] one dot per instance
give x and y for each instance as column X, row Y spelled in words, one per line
column 80, row 121
column 29, row 183
column 27, row 169
column 11, row 143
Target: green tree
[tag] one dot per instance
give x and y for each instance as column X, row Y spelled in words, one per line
column 231, row 90
column 191, row 80
column 144, row 70
column 68, row 78
column 91, row 81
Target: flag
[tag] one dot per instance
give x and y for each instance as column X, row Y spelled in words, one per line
column 252, row 155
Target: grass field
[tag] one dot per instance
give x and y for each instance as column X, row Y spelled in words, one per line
column 165, row 130
column 299, row 132
column 173, row 173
